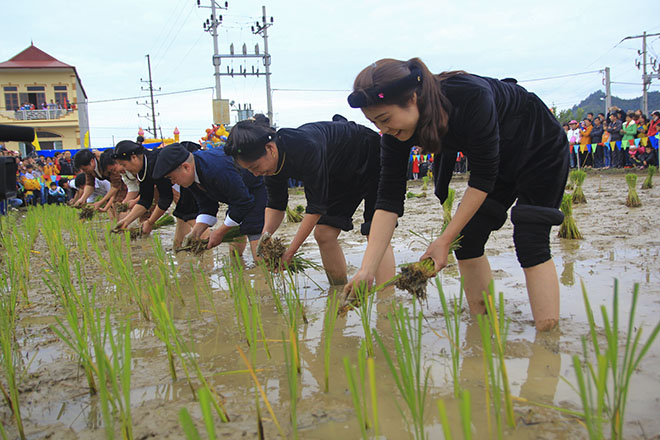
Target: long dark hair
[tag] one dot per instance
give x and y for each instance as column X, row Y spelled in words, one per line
column 433, row 106
column 247, row 140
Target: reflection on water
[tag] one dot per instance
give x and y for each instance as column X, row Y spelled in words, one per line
column 566, row 277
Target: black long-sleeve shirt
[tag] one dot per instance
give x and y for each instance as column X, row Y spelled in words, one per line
column 165, row 195
column 490, row 121
column 322, row 155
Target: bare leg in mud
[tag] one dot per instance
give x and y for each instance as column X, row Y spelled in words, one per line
column 477, row 277
column 239, row 247
column 332, row 255
column 542, row 288
column 543, row 291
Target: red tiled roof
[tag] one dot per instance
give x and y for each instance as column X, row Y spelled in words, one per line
column 31, row 58
column 35, row 58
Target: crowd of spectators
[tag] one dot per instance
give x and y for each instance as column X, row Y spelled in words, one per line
column 616, row 140
column 42, row 180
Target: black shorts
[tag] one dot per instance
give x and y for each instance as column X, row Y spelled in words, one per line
column 186, row 208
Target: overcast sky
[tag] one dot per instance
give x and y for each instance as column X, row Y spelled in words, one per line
column 321, row 46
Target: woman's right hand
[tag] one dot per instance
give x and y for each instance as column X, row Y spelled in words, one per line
column 361, row 278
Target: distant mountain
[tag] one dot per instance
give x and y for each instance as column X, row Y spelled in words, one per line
column 595, row 103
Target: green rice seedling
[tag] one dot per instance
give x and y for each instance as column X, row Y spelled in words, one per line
column 447, row 206
column 246, row 305
column 578, row 195
column 73, row 330
column 632, row 201
column 189, row 428
column 166, row 268
column 261, row 391
column 425, row 183
column 410, row 375
column 355, row 395
column 453, row 328
column 120, row 378
column 465, row 414
column 205, row 404
column 593, row 406
column 648, row 182
column 494, row 330
column 169, row 335
column 272, row 288
column 371, row 370
column 291, row 361
column 365, row 307
column 568, row 228
column 9, row 354
column 329, row 321
column 621, row 367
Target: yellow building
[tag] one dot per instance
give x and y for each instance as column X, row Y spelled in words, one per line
column 46, row 94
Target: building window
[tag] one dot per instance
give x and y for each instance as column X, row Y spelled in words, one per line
column 11, row 98
column 35, row 97
column 61, row 98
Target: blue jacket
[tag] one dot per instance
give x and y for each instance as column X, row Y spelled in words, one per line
column 220, row 181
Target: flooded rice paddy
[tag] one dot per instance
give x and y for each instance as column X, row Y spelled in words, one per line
column 619, row 243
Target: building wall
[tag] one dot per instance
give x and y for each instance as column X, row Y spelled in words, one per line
column 70, row 128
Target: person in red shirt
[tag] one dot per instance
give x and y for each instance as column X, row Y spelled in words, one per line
column 654, row 126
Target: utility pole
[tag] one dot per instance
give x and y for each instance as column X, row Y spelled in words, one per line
column 608, row 91
column 220, row 106
column 262, row 29
column 153, row 106
column 646, row 79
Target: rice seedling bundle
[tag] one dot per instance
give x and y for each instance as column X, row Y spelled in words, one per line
column 295, row 215
column 571, row 180
column 648, row 182
column 568, row 228
column 164, row 220
column 412, row 195
column 447, row 206
column 633, row 199
column 86, row 212
column 271, row 249
column 578, row 194
column 425, row 183
column 121, row 207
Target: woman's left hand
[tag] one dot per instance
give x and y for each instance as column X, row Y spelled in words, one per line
column 439, row 252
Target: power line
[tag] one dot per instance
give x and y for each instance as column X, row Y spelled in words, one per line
column 155, row 94
column 560, row 76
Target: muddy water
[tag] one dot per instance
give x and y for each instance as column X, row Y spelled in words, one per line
column 619, row 243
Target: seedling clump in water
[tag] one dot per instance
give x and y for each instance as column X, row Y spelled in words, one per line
column 86, row 212
column 633, row 199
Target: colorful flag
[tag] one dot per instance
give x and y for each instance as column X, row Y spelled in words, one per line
column 35, row 142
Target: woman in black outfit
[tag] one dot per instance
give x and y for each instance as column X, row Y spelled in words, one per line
column 517, row 152
column 338, row 163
